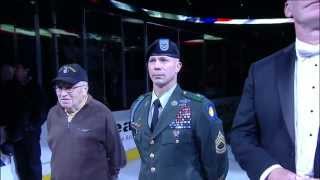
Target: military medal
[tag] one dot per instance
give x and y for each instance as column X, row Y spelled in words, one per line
column 183, row 117
column 176, row 133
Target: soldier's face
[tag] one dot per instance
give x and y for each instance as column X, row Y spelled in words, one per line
column 163, row 70
column 304, row 12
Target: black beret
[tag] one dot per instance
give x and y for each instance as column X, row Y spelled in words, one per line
column 163, row 47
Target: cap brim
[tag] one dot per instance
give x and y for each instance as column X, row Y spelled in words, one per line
column 65, row 80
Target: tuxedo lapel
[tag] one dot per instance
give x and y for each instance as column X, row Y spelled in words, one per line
column 285, row 82
column 169, row 112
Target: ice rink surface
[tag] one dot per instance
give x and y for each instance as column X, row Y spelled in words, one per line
column 131, row 171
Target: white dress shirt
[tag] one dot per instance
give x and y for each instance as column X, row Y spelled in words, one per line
column 164, row 98
column 306, row 108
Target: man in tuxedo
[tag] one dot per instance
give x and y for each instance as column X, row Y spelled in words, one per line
column 276, row 128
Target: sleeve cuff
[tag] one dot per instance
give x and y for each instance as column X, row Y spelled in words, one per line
column 266, row 172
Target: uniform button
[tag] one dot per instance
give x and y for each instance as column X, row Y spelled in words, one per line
column 152, row 141
column 153, row 169
column 151, row 155
column 177, row 141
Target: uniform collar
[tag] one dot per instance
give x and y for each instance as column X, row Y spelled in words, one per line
column 164, row 98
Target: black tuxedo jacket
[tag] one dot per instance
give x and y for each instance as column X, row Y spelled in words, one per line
column 263, row 130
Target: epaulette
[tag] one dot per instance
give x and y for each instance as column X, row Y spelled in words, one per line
column 194, row 96
column 137, row 103
column 141, row 97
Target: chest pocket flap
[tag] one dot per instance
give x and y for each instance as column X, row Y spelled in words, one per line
column 176, row 136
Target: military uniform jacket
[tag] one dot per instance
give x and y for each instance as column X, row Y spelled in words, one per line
column 187, row 143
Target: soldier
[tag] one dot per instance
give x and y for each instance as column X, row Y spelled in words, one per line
column 178, row 133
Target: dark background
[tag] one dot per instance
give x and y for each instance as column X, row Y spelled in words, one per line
column 116, row 64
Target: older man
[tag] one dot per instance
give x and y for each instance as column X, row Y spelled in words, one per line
column 276, row 129
column 82, row 134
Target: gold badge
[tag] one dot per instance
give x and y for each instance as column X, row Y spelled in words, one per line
column 220, row 144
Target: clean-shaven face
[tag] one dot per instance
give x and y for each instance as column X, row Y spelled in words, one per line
column 163, row 70
column 304, row 12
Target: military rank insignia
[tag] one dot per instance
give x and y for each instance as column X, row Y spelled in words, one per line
column 220, row 144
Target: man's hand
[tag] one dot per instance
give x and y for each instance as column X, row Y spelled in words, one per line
column 282, row 174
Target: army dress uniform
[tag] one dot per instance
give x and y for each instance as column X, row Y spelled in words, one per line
column 187, row 143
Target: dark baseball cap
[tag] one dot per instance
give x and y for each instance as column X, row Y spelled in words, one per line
column 71, row 73
column 163, row 47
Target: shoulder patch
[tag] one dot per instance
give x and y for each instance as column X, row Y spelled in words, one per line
column 193, row 96
column 211, row 111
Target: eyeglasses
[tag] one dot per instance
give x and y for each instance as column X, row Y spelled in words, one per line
column 69, row 90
